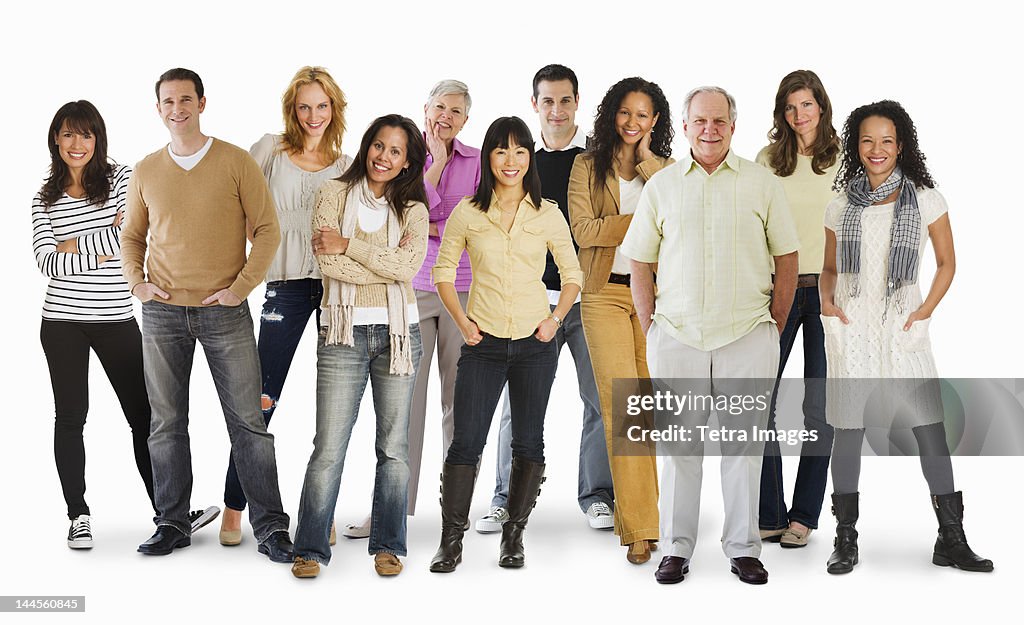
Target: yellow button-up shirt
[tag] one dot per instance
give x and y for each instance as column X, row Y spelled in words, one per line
column 507, row 297
column 713, row 237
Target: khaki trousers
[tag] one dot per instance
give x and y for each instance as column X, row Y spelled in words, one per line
column 618, row 349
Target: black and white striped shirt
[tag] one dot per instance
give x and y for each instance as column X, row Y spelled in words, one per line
column 82, row 289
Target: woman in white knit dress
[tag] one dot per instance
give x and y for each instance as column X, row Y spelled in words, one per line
column 876, row 321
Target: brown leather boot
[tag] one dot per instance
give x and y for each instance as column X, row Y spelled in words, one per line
column 456, row 494
column 523, row 488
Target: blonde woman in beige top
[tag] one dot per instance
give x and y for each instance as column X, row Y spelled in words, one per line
column 508, row 326
column 295, row 164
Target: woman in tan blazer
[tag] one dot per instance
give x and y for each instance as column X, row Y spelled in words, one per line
column 631, row 141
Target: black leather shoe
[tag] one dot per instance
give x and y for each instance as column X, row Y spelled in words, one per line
column 672, row 570
column 278, row 547
column 750, row 570
column 164, row 541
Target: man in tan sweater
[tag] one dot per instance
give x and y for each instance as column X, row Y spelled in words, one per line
column 193, row 199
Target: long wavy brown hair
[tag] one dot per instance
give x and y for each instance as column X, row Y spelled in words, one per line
column 293, row 138
column 782, row 150
column 82, row 117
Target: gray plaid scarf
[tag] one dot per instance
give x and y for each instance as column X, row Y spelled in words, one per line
column 904, row 235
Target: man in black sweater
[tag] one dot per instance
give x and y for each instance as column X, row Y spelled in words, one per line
column 555, row 99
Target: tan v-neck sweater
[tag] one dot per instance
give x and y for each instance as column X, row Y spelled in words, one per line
column 195, row 221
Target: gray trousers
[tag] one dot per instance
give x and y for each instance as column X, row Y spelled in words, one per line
column 754, row 356
column 436, row 327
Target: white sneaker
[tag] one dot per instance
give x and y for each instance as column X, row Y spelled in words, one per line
column 360, row 530
column 80, row 533
column 491, row 522
column 202, row 518
column 599, row 515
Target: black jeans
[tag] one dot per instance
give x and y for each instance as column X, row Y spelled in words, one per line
column 528, row 365
column 118, row 345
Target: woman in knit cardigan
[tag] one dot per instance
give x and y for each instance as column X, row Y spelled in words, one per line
column 369, row 237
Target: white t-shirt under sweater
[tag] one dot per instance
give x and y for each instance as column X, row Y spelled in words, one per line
column 82, row 289
column 190, row 161
column 371, row 220
column 629, row 197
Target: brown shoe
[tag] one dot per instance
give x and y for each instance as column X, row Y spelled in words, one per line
column 672, row 570
column 772, row 536
column 750, row 570
column 639, row 552
column 794, row 537
column 387, row 564
column 333, row 540
column 305, row 568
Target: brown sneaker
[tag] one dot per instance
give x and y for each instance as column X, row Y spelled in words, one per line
column 305, row 568
column 387, row 564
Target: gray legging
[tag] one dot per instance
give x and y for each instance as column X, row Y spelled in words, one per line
column 931, row 447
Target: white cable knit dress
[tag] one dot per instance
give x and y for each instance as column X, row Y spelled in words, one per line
column 873, row 348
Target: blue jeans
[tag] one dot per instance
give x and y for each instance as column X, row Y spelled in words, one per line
column 528, row 366
column 595, row 478
column 341, row 375
column 812, row 474
column 286, row 313
column 169, row 335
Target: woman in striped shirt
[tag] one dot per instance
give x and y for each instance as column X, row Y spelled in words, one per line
column 76, row 224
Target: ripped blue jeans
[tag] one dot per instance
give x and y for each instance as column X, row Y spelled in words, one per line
column 285, row 316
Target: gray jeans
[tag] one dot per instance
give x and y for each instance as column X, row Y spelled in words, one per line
column 169, row 335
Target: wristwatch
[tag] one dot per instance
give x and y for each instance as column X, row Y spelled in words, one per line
column 557, row 320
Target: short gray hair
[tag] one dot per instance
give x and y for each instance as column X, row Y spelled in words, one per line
column 451, row 87
column 706, row 89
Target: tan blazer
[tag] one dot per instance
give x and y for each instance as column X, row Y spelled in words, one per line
column 597, row 226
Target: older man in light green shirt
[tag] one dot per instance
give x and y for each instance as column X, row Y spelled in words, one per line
column 715, row 224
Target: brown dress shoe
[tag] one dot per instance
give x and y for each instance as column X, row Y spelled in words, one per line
column 672, row 570
column 750, row 570
column 639, row 552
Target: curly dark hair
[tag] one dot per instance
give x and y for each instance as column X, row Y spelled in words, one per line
column 911, row 160
column 604, row 140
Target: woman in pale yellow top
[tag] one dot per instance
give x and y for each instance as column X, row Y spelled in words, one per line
column 508, row 230
column 803, row 154
column 631, row 141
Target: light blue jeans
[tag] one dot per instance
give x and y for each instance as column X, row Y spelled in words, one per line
column 342, row 373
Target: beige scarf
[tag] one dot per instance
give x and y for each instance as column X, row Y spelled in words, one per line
column 341, row 296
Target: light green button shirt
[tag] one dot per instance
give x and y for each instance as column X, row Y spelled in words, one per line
column 713, row 237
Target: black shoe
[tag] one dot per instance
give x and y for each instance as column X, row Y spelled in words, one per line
column 846, row 553
column 278, row 547
column 750, row 570
column 164, row 541
column 672, row 570
column 951, row 548
column 201, row 518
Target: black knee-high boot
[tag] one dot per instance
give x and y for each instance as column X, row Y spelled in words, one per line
column 456, row 494
column 523, row 488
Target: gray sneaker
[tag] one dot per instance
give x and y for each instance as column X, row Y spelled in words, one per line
column 599, row 515
column 201, row 518
column 491, row 522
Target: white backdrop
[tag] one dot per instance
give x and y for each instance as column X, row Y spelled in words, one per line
column 949, row 66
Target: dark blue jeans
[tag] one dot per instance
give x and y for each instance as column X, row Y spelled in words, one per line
column 528, row 366
column 812, row 474
column 285, row 316
column 169, row 335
